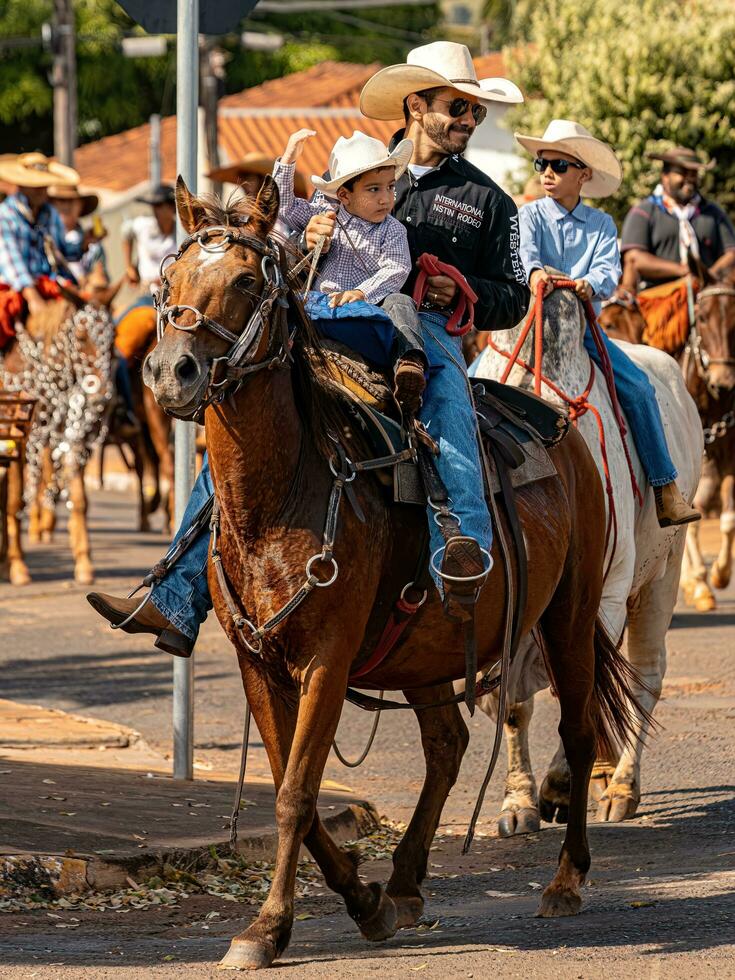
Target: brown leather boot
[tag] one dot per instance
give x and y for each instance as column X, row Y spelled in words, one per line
column 463, row 568
column 148, row 620
column 410, row 383
column 671, row 508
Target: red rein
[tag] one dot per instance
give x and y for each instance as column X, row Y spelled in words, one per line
column 429, row 265
column 580, row 404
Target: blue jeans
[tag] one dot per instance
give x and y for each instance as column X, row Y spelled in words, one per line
column 183, row 595
column 637, row 398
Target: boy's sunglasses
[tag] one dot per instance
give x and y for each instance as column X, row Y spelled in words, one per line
column 558, row 166
column 457, row 107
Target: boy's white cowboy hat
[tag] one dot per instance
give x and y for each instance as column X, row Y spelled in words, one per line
column 574, row 140
column 36, row 170
column 358, row 154
column 436, row 65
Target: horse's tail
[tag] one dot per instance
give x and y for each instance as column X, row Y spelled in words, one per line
column 617, row 706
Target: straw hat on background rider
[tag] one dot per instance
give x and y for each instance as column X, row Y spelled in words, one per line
column 248, row 173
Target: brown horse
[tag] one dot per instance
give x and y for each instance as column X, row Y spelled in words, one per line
column 270, row 447
column 707, row 360
column 63, row 360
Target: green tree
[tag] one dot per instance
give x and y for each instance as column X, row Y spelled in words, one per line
column 640, row 74
column 116, row 93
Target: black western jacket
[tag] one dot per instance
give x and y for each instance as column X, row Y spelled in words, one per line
column 459, row 214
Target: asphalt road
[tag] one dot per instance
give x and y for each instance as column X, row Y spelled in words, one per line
column 660, row 902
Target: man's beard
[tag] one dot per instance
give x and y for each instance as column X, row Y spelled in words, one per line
column 451, row 138
column 683, row 197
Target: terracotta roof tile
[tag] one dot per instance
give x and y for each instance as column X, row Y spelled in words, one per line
column 119, row 162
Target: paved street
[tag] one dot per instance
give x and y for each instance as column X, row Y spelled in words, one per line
column 661, row 897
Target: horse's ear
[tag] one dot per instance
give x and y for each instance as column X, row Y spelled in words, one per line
column 191, row 213
column 267, row 203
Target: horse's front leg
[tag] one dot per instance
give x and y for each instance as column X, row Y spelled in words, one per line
column 722, row 567
column 18, row 573
column 78, row 531
column 444, row 738
column 321, row 696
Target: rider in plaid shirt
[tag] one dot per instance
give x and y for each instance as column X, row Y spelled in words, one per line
column 22, row 253
column 368, row 258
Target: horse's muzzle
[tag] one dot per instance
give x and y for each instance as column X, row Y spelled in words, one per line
column 176, row 378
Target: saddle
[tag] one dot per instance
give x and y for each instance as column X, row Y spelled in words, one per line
column 521, row 426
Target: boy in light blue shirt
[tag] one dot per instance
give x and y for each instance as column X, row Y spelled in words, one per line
column 561, row 232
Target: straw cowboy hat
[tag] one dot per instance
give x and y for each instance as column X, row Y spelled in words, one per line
column 574, row 140
column 36, row 170
column 358, row 154
column 436, row 65
column 258, row 164
column 680, row 156
column 60, row 192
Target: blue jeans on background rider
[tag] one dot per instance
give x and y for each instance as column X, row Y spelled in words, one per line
column 449, row 416
column 183, row 595
column 637, row 398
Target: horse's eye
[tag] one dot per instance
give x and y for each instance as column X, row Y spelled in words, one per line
column 245, row 283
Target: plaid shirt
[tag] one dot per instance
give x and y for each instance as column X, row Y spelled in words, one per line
column 371, row 256
column 22, row 254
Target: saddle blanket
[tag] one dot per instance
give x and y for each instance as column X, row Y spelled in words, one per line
column 13, row 306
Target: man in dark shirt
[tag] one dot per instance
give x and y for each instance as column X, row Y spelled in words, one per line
column 660, row 232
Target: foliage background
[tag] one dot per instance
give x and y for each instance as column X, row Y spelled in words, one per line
column 640, row 74
column 116, row 92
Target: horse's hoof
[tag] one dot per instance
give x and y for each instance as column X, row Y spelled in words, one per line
column 18, row 574
column 719, row 578
column 383, row 923
column 557, row 902
column 408, row 910
column 84, row 573
column 525, row 820
column 702, row 598
column 244, row 954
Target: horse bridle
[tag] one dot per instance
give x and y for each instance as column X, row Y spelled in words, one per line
column 227, row 373
column 695, row 349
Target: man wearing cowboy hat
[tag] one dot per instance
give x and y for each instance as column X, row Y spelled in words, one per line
column 453, row 211
column 29, row 223
column 449, row 209
column 152, row 236
column 560, row 232
column 660, row 232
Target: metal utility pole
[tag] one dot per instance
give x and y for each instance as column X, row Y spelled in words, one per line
column 187, row 102
column 155, row 150
column 212, row 85
column 64, row 79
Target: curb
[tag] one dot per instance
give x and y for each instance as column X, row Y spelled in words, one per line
column 74, row 873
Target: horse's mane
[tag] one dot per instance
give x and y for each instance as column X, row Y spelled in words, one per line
column 322, row 410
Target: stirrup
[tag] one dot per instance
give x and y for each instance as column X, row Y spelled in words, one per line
column 480, row 577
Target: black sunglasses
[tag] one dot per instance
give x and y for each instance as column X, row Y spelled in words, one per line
column 457, row 107
column 558, row 166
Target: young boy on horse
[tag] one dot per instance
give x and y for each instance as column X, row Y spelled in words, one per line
column 560, row 232
column 368, row 259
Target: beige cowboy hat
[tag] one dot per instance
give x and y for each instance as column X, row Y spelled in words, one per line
column 574, row 140
column 61, row 192
column 436, row 65
column 255, row 163
column 358, row 154
column 36, row 170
